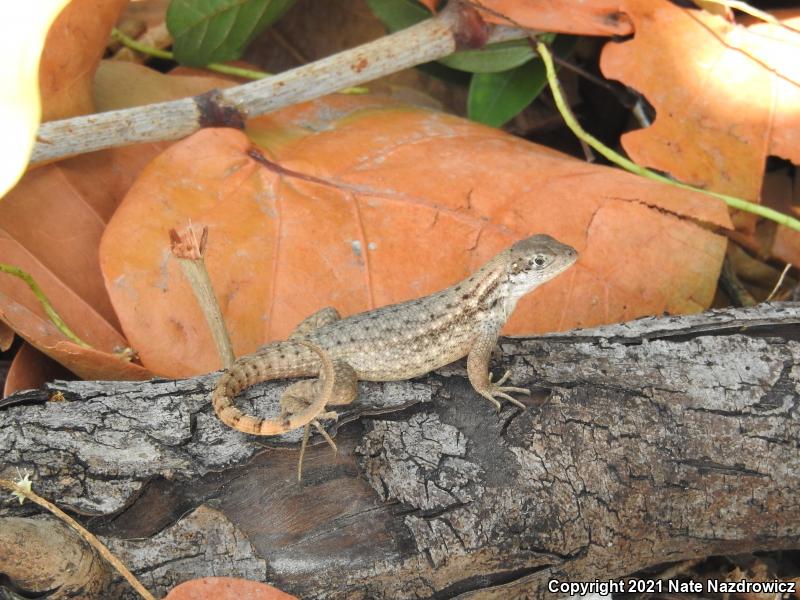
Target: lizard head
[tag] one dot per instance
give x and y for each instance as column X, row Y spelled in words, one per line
column 536, row 259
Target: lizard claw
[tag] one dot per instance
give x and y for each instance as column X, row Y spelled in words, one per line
column 503, row 379
column 498, row 390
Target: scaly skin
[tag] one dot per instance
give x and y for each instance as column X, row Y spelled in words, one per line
column 275, row 361
column 399, row 341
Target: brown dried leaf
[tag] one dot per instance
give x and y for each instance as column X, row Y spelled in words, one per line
column 410, row 202
column 6, row 337
column 51, row 223
column 722, row 107
column 31, row 369
column 600, row 17
column 73, row 48
column 39, row 556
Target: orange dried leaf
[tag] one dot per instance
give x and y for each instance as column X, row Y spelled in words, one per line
column 31, row 369
column 600, row 17
column 725, row 96
column 226, row 588
column 50, row 226
column 392, row 203
column 6, row 337
column 74, row 46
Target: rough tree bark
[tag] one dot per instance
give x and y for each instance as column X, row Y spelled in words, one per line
column 652, row 441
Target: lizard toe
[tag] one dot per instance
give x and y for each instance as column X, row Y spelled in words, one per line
column 503, row 379
column 516, row 390
column 325, row 435
column 511, row 399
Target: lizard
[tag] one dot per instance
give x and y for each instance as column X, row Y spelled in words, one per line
column 398, row 341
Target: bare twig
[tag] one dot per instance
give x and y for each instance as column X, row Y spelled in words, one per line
column 22, row 489
column 639, row 113
column 189, row 252
column 426, row 41
column 780, row 282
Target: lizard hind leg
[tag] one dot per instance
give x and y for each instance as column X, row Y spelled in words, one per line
column 269, row 363
column 299, row 396
column 306, row 430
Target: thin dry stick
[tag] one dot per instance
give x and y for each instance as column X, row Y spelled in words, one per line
column 22, row 490
column 426, row 41
column 780, row 282
column 632, row 167
column 189, row 253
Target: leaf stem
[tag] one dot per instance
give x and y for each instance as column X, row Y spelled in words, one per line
column 55, row 318
column 133, row 44
column 189, row 251
column 22, row 490
column 629, row 165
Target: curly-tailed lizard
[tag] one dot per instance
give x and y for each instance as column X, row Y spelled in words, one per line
column 399, row 341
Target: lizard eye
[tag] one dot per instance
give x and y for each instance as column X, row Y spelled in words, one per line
column 539, row 261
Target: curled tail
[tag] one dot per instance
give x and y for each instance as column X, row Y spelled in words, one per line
column 249, row 370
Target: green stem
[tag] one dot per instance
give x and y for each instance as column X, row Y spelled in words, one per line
column 133, row 44
column 629, row 165
column 48, row 308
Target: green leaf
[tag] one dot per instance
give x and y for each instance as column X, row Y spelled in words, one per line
column 207, row 31
column 398, row 14
column 494, row 98
column 491, row 59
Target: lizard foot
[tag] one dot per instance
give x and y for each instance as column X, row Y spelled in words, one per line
column 498, row 390
column 331, row 414
column 306, row 430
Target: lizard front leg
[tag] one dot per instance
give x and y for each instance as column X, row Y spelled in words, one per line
column 480, row 377
column 324, row 316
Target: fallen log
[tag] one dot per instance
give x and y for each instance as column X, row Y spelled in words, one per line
column 658, row 440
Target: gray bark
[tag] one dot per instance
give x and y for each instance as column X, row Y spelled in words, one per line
column 652, row 441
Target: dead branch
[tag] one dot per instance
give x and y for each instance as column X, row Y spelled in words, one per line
column 653, row 441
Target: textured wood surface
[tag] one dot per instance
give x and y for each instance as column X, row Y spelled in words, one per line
column 652, row 441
